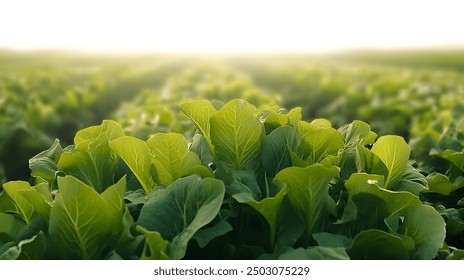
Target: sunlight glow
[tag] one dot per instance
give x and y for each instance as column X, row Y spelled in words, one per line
column 229, row 26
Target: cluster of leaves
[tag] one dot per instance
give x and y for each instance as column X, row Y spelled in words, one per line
column 252, row 184
column 155, row 111
column 438, row 152
column 389, row 97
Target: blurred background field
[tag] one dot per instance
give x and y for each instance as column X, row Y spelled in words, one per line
column 51, row 95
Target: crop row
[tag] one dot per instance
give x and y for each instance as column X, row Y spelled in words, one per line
column 252, row 183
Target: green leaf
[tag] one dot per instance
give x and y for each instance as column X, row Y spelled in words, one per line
column 394, row 152
column 324, row 123
column 137, row 156
column 355, row 133
column 155, row 246
column 114, row 198
column 178, row 211
column 80, row 221
column 200, row 112
column 441, row 184
column 205, row 235
column 80, row 164
column 369, row 204
column 32, row 248
column 200, row 147
column 308, row 192
column 236, row 135
column 10, row 227
column 112, row 130
column 44, row 164
column 19, row 203
column 327, row 239
column 9, row 251
column 317, row 142
column 172, row 159
column 275, row 119
column 276, row 147
column 412, row 181
column 371, row 184
column 456, row 158
column 425, row 226
column 457, row 254
column 244, row 182
column 86, row 135
column 92, row 161
column 268, row 208
column 294, row 116
column 373, row 244
column 367, row 161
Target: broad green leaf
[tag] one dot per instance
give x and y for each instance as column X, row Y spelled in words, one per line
column 200, row 147
column 129, row 242
column 155, row 246
column 361, row 183
column 21, row 205
column 327, row 239
column 275, row 149
column 276, row 119
column 105, row 160
column 7, row 205
column 394, row 153
column 324, row 123
column 367, row 161
column 369, row 204
column 44, row 164
column 32, row 248
column 318, row 142
column 92, row 162
column 412, row 181
column 114, row 198
column 200, row 112
column 10, row 227
column 441, row 184
column 137, row 156
column 236, row 135
column 296, row 160
column 355, row 132
column 456, row 158
column 172, row 159
column 178, row 211
column 112, row 130
column 80, row 221
column 37, row 201
column 79, row 163
column 308, row 192
column 205, row 235
column 244, row 182
column 294, row 116
column 87, row 134
column 45, row 191
column 425, row 226
column 268, row 208
column 373, row 244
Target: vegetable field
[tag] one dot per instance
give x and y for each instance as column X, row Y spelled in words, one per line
column 353, row 156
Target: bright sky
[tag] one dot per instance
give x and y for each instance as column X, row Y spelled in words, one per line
column 229, row 26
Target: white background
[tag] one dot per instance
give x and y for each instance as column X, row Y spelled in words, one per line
column 230, row 26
